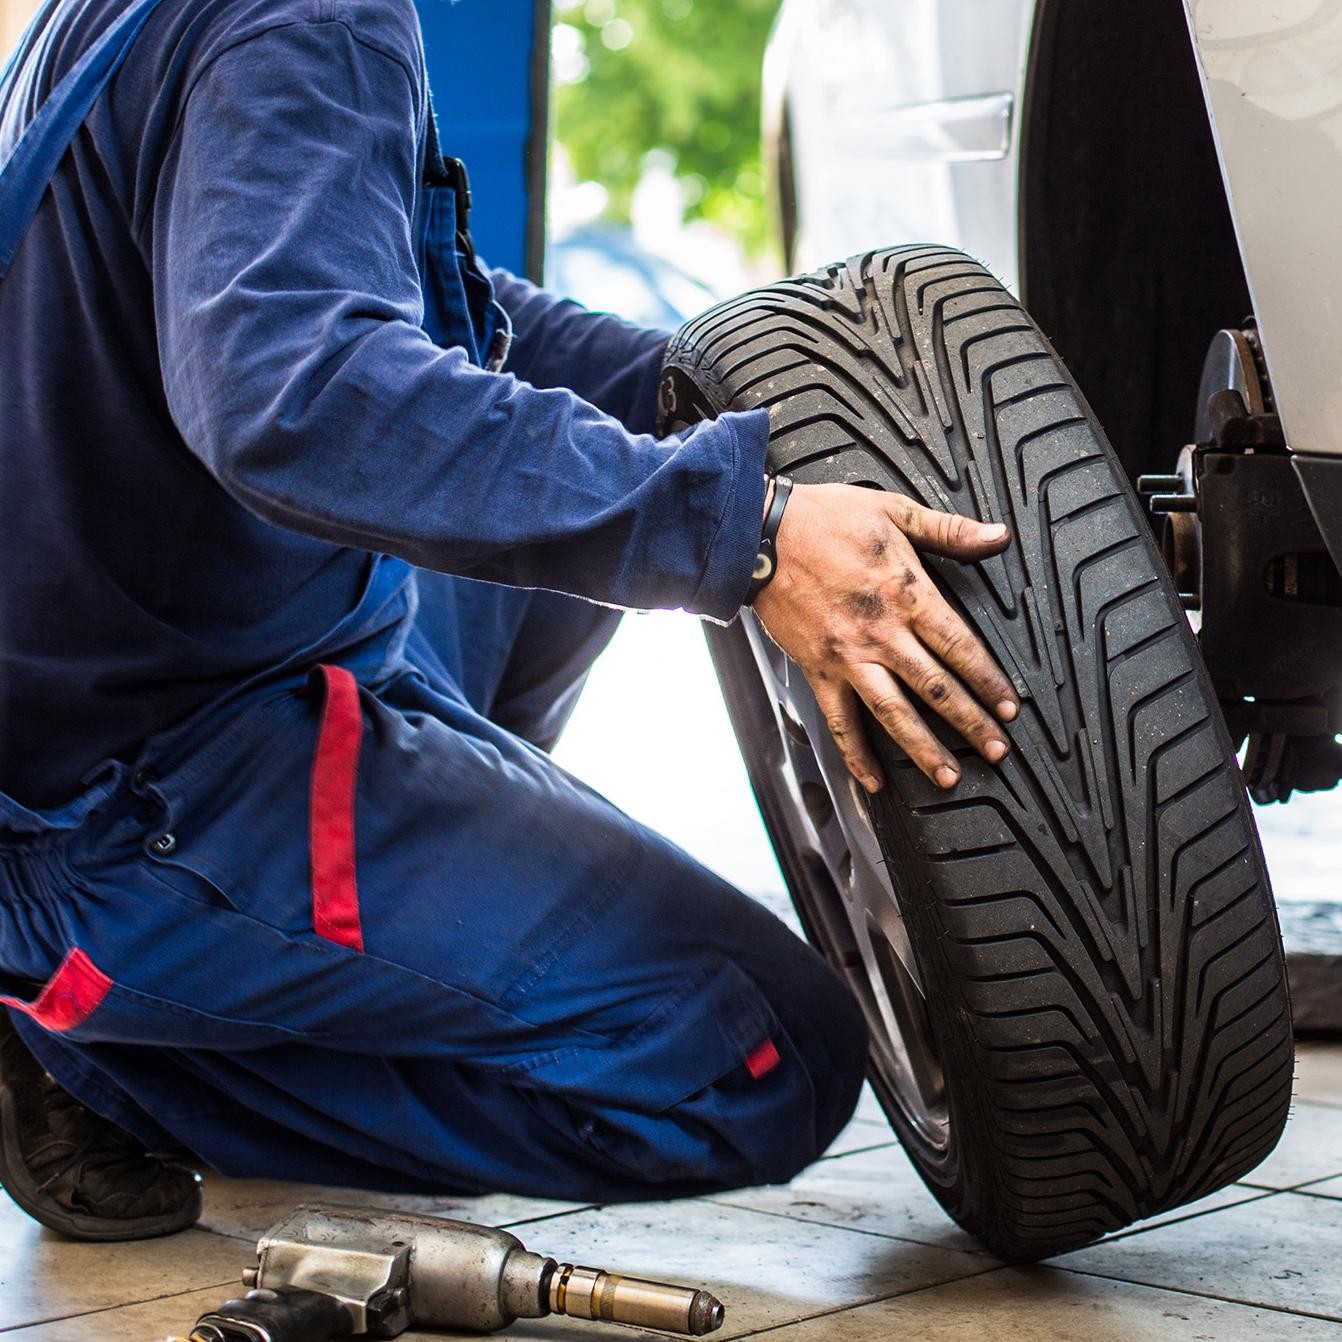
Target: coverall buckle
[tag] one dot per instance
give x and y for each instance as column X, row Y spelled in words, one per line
column 460, row 182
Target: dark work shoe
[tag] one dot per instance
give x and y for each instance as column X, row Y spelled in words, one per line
column 74, row 1171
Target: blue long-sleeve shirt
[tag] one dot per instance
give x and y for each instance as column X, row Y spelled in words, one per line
column 219, row 408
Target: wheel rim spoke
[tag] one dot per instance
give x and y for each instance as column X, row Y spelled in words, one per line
column 829, row 818
column 905, row 1053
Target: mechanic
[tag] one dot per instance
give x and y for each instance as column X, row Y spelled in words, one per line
column 311, row 528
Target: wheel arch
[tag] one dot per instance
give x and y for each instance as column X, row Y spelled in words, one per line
column 1128, row 257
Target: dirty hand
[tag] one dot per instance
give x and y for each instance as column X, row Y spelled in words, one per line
column 852, row 605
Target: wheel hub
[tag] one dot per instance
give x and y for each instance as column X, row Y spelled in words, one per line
column 1243, row 547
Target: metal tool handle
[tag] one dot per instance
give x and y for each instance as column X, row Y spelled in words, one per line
column 274, row 1316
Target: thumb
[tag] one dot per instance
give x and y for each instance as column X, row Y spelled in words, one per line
column 950, row 534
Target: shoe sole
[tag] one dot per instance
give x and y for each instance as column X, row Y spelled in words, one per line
column 18, row 1183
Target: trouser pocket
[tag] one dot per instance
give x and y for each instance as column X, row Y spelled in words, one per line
column 261, row 818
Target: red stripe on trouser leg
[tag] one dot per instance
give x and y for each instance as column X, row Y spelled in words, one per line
column 73, row 993
column 335, row 891
column 761, row 1061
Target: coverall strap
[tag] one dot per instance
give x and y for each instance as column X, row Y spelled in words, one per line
column 28, row 170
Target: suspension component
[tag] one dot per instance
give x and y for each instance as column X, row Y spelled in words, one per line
column 1246, row 554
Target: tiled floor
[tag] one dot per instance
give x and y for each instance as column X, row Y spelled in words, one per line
column 855, row 1249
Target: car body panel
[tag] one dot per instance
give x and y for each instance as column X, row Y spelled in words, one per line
column 905, row 124
column 903, row 130
column 1273, row 79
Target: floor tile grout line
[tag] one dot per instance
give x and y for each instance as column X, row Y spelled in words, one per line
column 1201, row 1295
column 856, row 1151
column 230, row 1284
column 720, row 1200
column 1254, row 1193
column 546, row 1216
column 1304, row 1190
column 865, row 1304
column 1257, row 1194
column 249, row 1240
column 1290, row 1188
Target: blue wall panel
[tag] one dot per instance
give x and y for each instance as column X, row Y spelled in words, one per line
column 480, row 58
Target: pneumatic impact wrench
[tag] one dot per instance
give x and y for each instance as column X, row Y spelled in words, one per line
column 334, row 1272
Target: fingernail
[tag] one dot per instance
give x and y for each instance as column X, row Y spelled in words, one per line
column 994, row 531
column 1007, row 710
column 871, row 783
column 947, row 777
column 995, row 750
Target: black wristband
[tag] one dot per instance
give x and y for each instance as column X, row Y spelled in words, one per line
column 766, row 561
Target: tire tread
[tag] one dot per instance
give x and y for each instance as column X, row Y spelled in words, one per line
column 1097, row 920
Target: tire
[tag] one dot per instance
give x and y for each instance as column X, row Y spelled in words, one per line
column 1071, row 963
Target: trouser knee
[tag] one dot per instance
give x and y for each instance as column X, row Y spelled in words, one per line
column 763, row 1121
column 784, row 1119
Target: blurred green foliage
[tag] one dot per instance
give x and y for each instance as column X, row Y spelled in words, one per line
column 677, row 76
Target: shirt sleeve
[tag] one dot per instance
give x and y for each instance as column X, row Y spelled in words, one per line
column 609, row 362
column 288, row 306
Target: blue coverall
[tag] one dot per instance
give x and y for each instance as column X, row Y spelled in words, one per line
column 289, row 619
